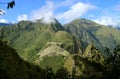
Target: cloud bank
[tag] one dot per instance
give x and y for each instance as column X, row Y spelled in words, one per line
column 108, row 21
column 75, row 11
column 23, row 17
column 3, row 21
column 48, row 11
column 45, row 12
column 67, row 10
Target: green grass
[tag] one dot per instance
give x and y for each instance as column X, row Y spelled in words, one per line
column 55, row 62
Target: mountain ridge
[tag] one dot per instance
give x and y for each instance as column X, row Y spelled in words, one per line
column 39, row 34
column 94, row 32
column 83, row 31
column 75, row 49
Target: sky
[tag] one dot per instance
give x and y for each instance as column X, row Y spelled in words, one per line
column 106, row 12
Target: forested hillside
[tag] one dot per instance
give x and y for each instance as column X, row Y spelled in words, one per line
column 81, row 49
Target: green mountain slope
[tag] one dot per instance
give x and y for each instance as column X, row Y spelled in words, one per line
column 75, row 66
column 72, row 51
column 29, row 38
column 89, row 32
column 52, row 56
column 13, row 67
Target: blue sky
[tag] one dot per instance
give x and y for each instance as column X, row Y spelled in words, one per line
column 105, row 12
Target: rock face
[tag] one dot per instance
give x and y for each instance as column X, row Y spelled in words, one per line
column 53, row 49
column 93, row 54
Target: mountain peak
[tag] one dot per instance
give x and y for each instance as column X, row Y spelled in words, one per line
column 53, row 24
column 82, row 21
column 49, row 20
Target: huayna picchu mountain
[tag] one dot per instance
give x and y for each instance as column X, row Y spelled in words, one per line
column 78, row 49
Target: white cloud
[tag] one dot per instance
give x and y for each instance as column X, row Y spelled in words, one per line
column 66, row 3
column 45, row 12
column 3, row 21
column 108, row 21
column 75, row 11
column 48, row 11
column 22, row 17
column 2, row 12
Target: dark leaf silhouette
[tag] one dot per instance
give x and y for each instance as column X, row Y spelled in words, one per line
column 11, row 4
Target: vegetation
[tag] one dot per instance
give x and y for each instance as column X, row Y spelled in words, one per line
column 89, row 32
column 79, row 50
column 29, row 38
column 10, row 4
column 13, row 67
column 55, row 62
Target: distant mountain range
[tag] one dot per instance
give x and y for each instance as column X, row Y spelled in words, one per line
column 118, row 28
column 6, row 24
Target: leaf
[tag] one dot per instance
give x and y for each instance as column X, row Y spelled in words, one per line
column 11, row 4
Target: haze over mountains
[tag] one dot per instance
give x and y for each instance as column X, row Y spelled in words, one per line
column 77, row 46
